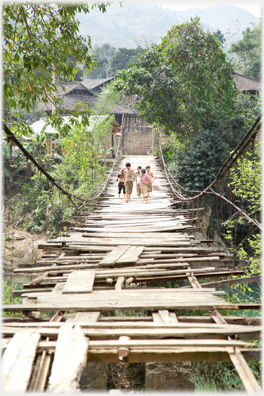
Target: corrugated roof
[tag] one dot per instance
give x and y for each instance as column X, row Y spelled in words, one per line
column 93, row 120
column 94, row 83
column 245, row 83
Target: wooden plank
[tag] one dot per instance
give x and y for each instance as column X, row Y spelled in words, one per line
column 157, row 235
column 156, row 343
column 193, row 280
column 91, row 321
column 252, row 320
column 18, row 360
column 177, row 260
column 177, row 226
column 137, row 242
column 79, row 282
column 159, row 330
column 72, row 346
column 114, row 255
column 169, row 342
column 119, row 283
column 167, row 317
column 244, row 372
column 249, row 306
column 89, row 248
column 87, row 317
column 235, row 281
column 41, row 370
column 58, row 288
column 157, row 319
column 131, row 255
column 166, row 354
column 121, row 300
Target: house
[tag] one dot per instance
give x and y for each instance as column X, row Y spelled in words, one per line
column 71, row 93
column 96, row 85
column 247, row 84
column 137, row 136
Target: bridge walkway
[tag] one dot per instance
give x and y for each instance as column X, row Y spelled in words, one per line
column 100, row 290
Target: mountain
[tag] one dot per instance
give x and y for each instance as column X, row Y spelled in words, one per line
column 132, row 24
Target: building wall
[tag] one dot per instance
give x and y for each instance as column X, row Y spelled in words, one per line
column 138, row 136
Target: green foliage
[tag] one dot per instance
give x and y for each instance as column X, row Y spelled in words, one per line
column 184, row 83
column 123, row 57
column 102, row 55
column 247, row 52
column 216, row 377
column 107, row 99
column 81, row 172
column 37, row 39
column 15, row 159
column 245, row 178
column 8, row 299
column 88, row 149
column 78, row 72
column 109, row 60
column 196, row 163
column 220, row 37
column 251, row 105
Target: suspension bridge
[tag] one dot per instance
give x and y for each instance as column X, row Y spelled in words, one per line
column 110, row 262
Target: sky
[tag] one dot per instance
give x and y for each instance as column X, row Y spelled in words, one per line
column 253, row 6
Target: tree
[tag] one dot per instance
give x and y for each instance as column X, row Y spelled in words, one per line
column 248, row 52
column 108, row 60
column 102, row 56
column 123, row 56
column 184, row 83
column 197, row 162
column 220, row 37
column 37, row 39
column 77, row 76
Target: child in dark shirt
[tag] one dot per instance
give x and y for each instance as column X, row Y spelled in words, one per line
column 121, row 184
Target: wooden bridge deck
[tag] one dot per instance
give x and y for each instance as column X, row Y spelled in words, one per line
column 110, row 262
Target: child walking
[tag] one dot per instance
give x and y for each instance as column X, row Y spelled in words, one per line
column 145, row 181
column 121, row 184
column 150, row 175
column 137, row 179
column 128, row 179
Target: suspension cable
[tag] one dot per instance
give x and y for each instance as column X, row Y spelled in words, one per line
column 51, row 179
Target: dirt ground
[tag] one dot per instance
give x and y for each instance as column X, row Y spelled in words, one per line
column 20, row 246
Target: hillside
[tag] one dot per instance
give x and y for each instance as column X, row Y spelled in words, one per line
column 125, row 26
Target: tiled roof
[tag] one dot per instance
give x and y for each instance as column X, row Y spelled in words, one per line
column 65, row 91
column 94, row 83
column 122, row 109
column 245, row 83
column 69, row 102
column 64, row 88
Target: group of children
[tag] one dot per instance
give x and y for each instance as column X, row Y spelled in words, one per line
column 143, row 179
